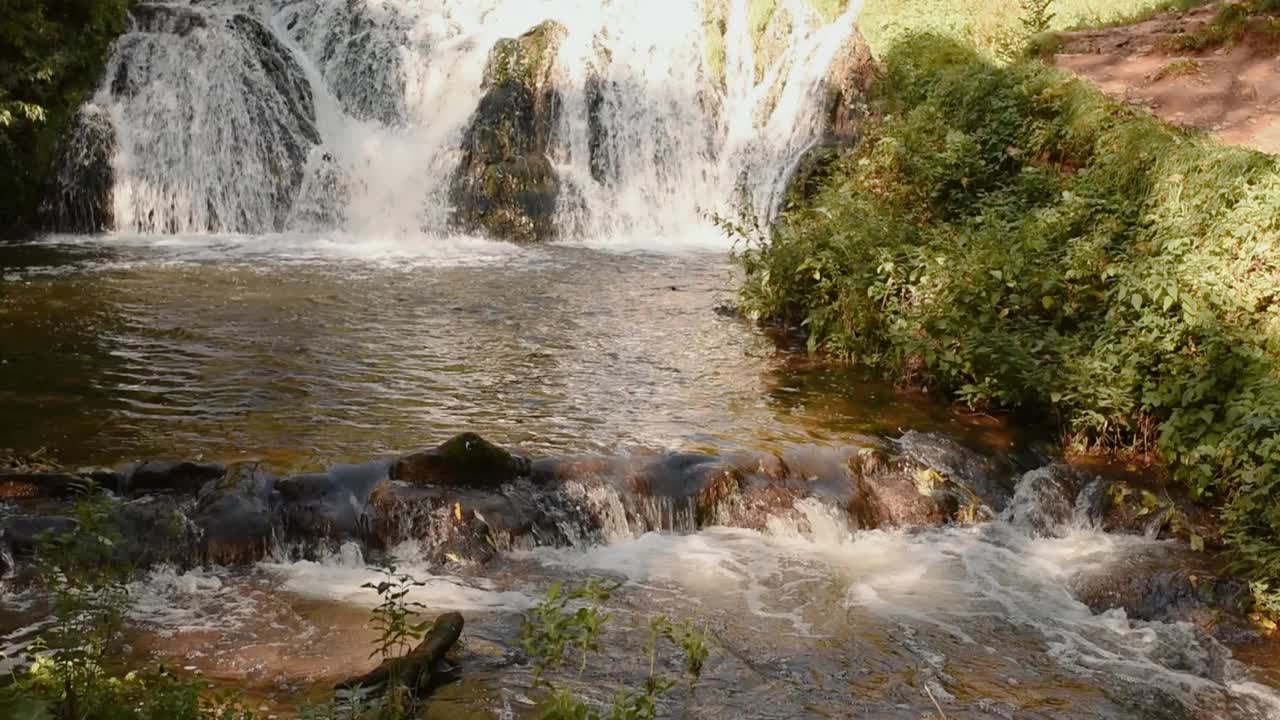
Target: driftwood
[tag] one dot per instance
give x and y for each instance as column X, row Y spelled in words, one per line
column 417, row 671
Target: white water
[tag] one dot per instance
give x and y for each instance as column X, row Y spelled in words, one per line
column 349, row 116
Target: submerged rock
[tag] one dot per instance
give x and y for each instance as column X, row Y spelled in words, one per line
column 466, row 460
column 505, row 186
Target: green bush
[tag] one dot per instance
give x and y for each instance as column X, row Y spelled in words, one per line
column 51, row 54
column 1010, row 236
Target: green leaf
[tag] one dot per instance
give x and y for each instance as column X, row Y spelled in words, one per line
column 1197, row 542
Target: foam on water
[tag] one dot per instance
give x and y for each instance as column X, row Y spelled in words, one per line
column 957, row 581
column 343, row 576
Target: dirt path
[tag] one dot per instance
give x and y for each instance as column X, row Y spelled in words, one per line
column 1231, row 90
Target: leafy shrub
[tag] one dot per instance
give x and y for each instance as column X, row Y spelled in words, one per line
column 51, row 54
column 1009, row 236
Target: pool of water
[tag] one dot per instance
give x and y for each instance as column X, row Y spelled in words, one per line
column 309, row 351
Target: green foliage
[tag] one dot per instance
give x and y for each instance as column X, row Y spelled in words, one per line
column 1037, row 16
column 1010, row 236
column 1229, row 25
column 395, row 617
column 51, row 54
column 552, row 631
column 76, row 671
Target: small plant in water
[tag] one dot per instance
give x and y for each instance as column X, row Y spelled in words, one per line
column 395, row 617
column 551, row 631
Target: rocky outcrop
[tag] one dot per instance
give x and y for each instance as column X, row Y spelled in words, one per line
column 466, row 460
column 505, row 186
column 176, row 126
column 80, row 198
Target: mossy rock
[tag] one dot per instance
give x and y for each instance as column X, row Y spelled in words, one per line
column 466, row 460
column 505, row 186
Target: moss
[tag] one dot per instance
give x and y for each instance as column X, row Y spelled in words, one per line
column 714, row 27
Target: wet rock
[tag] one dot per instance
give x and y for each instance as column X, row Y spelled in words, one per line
column 691, row 484
column 330, row 506
column 975, row 475
column 565, row 468
column 169, row 476
column 1161, row 582
column 21, row 534
column 847, row 85
column 466, row 460
column 446, row 531
column 1044, row 503
column 505, row 186
column 80, row 197
column 155, row 529
column 236, row 515
column 254, row 92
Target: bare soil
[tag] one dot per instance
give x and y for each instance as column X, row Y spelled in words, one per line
column 1231, row 90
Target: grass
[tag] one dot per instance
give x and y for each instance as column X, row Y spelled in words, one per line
column 1011, row 237
column 995, row 26
column 1178, row 68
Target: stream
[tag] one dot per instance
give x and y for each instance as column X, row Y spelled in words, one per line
column 306, row 351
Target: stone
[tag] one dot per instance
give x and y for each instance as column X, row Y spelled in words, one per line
column 183, row 477
column 333, row 505
column 236, row 515
column 466, row 460
column 973, row 476
column 1044, row 503
column 154, row 530
column 80, row 197
column 505, row 186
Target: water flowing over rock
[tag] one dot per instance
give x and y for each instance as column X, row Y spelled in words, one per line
column 80, row 199
column 516, row 120
column 214, row 120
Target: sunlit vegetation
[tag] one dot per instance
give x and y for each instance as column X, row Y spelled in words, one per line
column 51, row 55
column 998, row 28
column 1011, row 237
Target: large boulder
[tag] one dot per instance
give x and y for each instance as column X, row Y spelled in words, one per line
column 80, row 197
column 182, row 477
column 505, row 186
column 466, row 460
column 236, row 516
column 320, row 510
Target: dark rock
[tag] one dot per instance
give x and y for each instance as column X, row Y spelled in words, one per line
column 505, row 186
column 692, row 483
column 21, row 533
column 847, row 85
column 170, row 476
column 80, row 197
column 976, row 476
column 27, row 485
column 155, row 529
column 564, row 468
column 1163, row 582
column 331, row 506
column 466, row 460
column 235, row 515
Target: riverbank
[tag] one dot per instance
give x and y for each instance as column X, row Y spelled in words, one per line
column 1013, row 238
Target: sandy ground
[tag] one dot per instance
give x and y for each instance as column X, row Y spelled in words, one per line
column 1232, row 91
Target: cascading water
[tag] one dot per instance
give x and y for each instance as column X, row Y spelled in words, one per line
column 323, row 115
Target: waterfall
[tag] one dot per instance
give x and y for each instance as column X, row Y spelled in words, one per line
column 350, row 115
